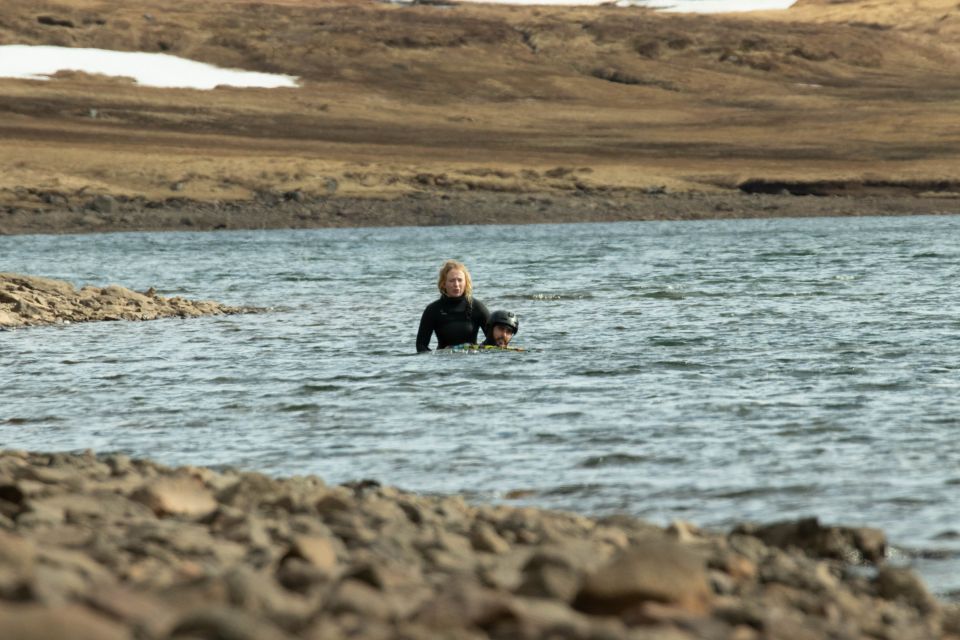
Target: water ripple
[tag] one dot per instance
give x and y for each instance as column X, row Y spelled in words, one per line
column 717, row 371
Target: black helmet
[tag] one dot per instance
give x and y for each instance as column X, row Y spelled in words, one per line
column 506, row 318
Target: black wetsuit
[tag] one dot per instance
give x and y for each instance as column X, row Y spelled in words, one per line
column 453, row 320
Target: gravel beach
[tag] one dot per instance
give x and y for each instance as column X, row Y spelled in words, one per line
column 104, row 547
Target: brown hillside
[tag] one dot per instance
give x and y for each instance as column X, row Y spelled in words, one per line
column 396, row 100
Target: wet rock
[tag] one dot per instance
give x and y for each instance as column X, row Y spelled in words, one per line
column 657, row 570
column 852, row 545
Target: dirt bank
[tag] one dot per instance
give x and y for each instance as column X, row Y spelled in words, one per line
column 297, row 210
column 415, row 108
column 108, row 547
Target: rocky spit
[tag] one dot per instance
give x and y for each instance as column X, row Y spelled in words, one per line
column 108, row 547
column 31, row 300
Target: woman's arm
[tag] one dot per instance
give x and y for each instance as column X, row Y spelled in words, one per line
column 425, row 330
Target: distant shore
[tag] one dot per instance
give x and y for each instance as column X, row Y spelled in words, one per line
column 473, row 114
column 108, row 547
column 297, row 210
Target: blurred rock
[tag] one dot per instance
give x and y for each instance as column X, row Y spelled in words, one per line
column 656, row 569
column 852, row 545
column 177, row 496
column 109, row 547
column 33, row 622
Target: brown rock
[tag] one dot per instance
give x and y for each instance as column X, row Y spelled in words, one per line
column 683, row 531
column 485, row 538
column 853, row 545
column 737, row 566
column 354, row 596
column 298, row 575
column 320, row 553
column 250, row 491
column 256, row 593
column 237, row 526
column 33, row 622
column 94, row 507
column 535, row 618
column 65, row 574
column 16, row 565
column 655, row 569
column 335, row 500
column 902, row 584
column 222, row 623
column 131, row 609
column 549, row 575
column 465, row 604
column 184, row 496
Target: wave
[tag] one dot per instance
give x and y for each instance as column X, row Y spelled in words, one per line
column 612, row 460
column 578, row 295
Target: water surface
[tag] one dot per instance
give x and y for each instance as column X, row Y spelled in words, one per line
column 714, row 371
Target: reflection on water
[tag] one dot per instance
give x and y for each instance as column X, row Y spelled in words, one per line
column 711, row 371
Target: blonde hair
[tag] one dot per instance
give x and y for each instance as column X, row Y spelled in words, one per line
column 449, row 266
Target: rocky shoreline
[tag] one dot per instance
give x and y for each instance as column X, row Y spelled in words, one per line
column 43, row 212
column 32, row 300
column 111, row 547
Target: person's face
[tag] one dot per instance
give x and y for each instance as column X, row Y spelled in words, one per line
column 455, row 283
column 502, row 335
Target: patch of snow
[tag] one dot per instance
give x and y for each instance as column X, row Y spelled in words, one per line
column 147, row 69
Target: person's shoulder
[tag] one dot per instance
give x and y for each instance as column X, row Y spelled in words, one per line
column 435, row 304
column 478, row 304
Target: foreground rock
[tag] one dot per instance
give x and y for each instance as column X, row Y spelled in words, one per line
column 31, row 300
column 109, row 547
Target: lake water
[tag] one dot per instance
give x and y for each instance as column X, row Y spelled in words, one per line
column 713, row 371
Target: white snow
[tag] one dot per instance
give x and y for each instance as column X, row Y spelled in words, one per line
column 148, row 69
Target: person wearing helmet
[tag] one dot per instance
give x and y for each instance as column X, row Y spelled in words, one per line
column 456, row 317
column 502, row 327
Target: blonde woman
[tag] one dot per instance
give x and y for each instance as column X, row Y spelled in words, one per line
column 456, row 317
